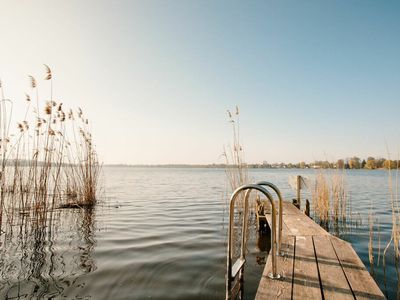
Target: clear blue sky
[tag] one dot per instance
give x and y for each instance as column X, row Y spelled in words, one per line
column 313, row 79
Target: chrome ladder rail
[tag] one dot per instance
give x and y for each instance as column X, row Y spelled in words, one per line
column 280, row 209
column 234, row 285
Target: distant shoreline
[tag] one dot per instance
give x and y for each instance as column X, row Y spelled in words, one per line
column 222, row 166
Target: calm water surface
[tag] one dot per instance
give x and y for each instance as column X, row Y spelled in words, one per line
column 160, row 233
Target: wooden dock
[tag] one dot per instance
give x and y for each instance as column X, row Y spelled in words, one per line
column 315, row 265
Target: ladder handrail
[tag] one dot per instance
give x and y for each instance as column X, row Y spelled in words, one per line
column 280, row 221
column 247, row 188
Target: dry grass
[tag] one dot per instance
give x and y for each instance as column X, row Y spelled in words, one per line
column 374, row 230
column 339, row 197
column 237, row 175
column 236, row 168
column 321, row 197
column 395, row 212
column 50, row 161
column 329, row 198
column 371, row 243
column 393, row 185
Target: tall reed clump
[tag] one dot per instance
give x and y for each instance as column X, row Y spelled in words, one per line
column 237, row 175
column 89, row 170
column 329, row 198
column 50, row 161
column 371, row 243
column 393, row 185
column 321, row 197
column 339, row 196
column 236, row 168
column 86, row 169
column 5, row 110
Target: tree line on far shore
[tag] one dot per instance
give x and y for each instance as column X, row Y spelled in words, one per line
column 348, row 163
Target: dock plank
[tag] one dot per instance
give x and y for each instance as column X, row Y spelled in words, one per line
column 282, row 288
column 290, row 209
column 333, row 280
column 305, row 278
column 295, row 222
column 361, row 282
column 301, row 225
column 317, row 265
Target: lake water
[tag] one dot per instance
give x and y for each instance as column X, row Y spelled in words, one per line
column 160, row 233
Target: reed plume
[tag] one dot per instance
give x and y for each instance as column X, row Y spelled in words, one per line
column 46, row 165
column 329, row 198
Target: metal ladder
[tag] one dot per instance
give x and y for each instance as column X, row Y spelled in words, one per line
column 235, row 271
column 280, row 209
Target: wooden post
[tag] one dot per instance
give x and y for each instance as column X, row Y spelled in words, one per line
column 298, row 190
column 307, row 211
column 295, row 202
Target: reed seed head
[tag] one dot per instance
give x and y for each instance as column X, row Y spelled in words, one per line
column 33, row 81
column 48, row 73
column 48, row 107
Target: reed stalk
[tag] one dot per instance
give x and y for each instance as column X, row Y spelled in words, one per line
column 236, row 168
column 370, row 244
column 40, row 167
column 330, row 202
column 237, row 175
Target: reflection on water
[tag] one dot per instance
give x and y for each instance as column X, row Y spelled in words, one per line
column 41, row 257
column 161, row 234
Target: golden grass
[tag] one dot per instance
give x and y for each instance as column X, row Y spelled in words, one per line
column 236, row 168
column 329, row 197
column 321, row 197
column 393, row 185
column 237, row 175
column 49, row 162
column 371, row 243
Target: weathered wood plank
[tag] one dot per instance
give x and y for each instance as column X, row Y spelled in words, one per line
column 323, row 265
column 302, row 225
column 333, row 279
column 361, row 282
column 295, row 222
column 305, row 278
column 290, row 209
column 278, row 288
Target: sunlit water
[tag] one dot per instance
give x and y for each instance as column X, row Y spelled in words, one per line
column 160, row 233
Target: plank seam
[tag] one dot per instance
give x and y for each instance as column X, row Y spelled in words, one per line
column 345, row 275
column 319, row 274
column 294, row 261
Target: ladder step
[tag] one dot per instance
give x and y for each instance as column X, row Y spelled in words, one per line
column 237, row 266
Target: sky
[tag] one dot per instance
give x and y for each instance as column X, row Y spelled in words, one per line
column 313, row 79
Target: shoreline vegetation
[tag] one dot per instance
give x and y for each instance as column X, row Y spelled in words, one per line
column 48, row 160
column 49, row 179
column 383, row 165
